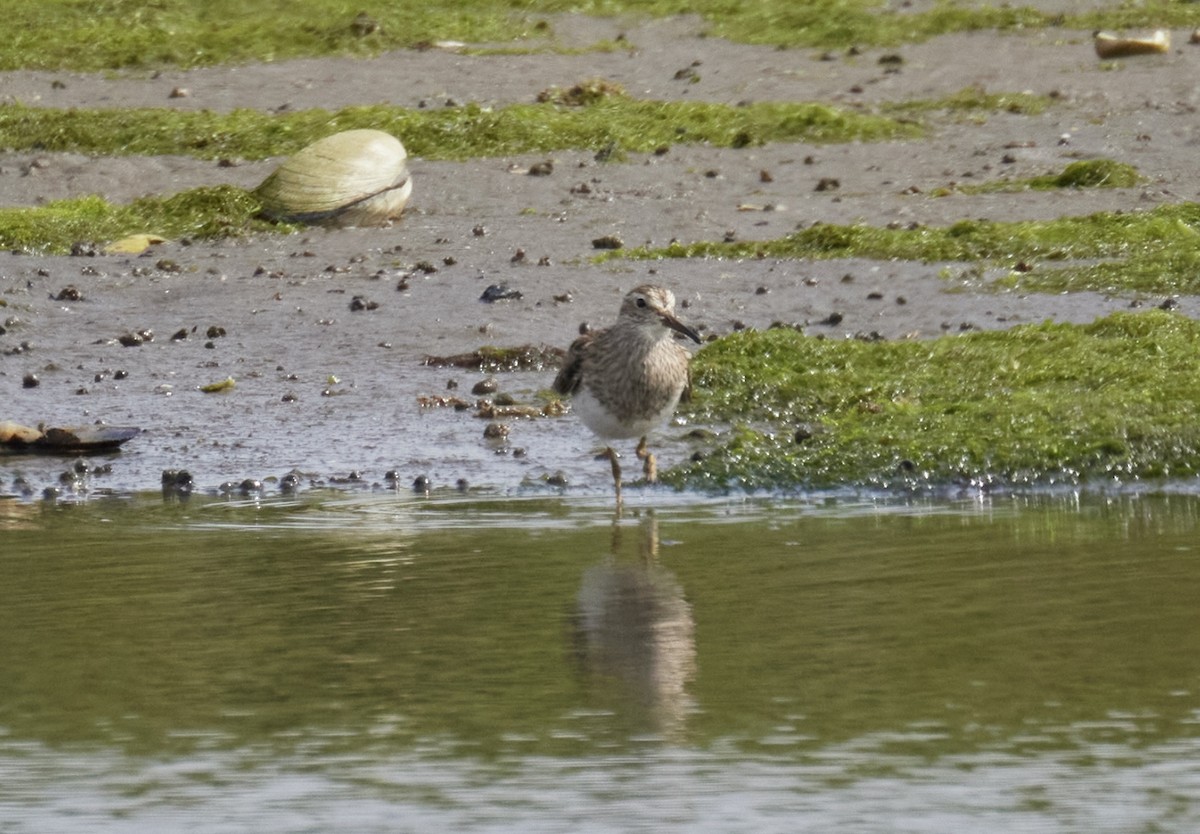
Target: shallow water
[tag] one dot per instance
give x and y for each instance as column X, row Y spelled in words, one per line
column 386, row 663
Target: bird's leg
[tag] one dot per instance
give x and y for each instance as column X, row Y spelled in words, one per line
column 615, row 460
column 649, row 464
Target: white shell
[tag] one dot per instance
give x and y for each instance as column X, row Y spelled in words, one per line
column 1109, row 45
column 352, row 178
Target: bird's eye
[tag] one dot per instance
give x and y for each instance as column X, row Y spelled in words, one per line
column 641, row 302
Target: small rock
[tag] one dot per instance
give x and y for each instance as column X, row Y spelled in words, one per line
column 499, row 292
column 608, row 242
column 488, row 385
column 496, row 431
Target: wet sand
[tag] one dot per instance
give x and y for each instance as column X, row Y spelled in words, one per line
column 334, row 393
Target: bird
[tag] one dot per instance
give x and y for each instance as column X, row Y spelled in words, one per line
column 626, row 379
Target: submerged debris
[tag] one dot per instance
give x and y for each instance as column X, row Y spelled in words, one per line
column 492, row 359
column 15, row 437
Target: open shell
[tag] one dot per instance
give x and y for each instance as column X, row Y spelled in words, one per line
column 1109, row 45
column 352, row 178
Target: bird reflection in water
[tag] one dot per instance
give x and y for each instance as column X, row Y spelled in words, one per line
column 634, row 629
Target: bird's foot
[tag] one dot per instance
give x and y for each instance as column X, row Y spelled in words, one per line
column 610, row 454
column 649, row 462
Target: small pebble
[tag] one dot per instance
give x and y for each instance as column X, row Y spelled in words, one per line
column 488, row 385
column 499, row 292
column 496, row 431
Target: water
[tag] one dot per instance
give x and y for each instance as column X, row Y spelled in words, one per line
column 386, row 663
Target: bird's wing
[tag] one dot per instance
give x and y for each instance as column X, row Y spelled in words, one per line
column 570, row 375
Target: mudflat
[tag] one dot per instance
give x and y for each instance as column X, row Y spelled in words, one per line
column 325, row 333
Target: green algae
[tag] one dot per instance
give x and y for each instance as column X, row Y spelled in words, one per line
column 221, row 211
column 1151, row 251
column 1089, row 173
column 451, row 133
column 1038, row 404
column 124, row 34
column 972, row 100
column 611, row 122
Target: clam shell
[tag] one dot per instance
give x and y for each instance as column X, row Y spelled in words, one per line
column 352, row 178
column 1109, row 45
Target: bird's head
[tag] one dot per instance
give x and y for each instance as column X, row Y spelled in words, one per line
column 650, row 307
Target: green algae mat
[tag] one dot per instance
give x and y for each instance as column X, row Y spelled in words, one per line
column 1115, row 401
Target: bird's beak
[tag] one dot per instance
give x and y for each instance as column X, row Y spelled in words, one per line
column 675, row 324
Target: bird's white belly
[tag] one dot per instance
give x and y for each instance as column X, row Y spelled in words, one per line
column 605, row 424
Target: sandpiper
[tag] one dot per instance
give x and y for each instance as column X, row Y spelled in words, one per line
column 626, row 379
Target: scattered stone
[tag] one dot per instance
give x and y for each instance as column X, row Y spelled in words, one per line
column 608, row 242
column 177, row 482
column 496, row 431
column 500, row 292
column 488, row 385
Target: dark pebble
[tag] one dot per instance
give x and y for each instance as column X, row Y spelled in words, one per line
column 421, row 484
column 608, row 242
column 177, row 482
column 30, row 381
column 485, row 386
column 499, row 292
column 496, row 431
